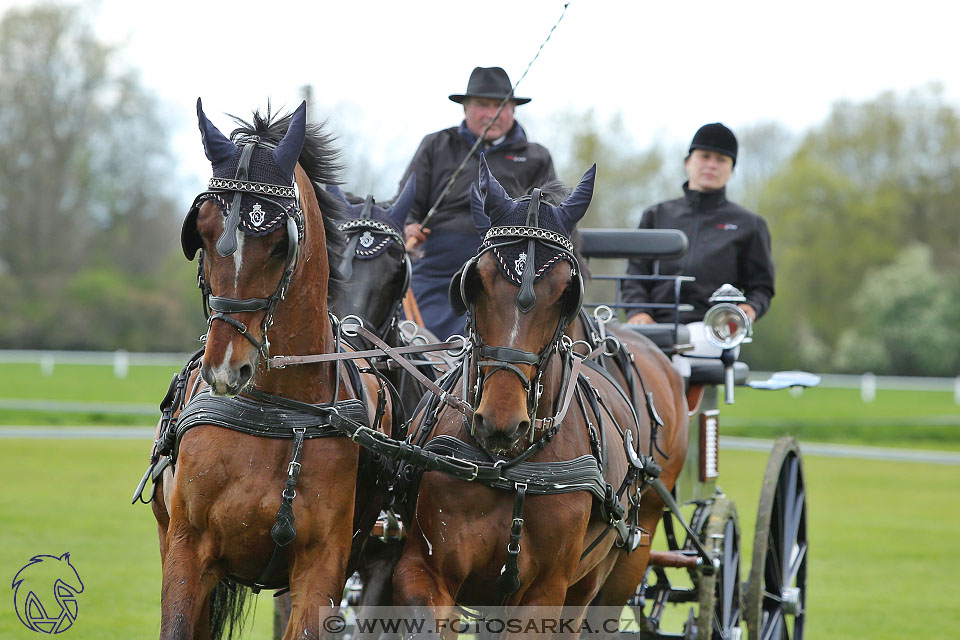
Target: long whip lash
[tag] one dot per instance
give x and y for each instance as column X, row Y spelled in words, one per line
column 480, row 138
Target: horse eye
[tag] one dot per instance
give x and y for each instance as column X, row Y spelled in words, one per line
column 279, row 249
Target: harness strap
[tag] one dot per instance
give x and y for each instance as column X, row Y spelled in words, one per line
column 509, row 580
column 279, row 362
column 394, row 353
column 284, row 531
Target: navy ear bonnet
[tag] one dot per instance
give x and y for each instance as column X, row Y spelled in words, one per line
column 375, row 225
column 494, row 210
column 253, row 182
column 260, row 214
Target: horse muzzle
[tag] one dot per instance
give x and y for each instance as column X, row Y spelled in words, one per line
column 226, row 379
column 499, row 435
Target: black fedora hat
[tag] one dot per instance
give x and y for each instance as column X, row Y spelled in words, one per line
column 488, row 82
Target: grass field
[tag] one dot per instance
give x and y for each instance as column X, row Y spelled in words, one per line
column 917, row 419
column 881, row 538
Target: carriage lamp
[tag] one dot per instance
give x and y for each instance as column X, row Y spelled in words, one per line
column 726, row 325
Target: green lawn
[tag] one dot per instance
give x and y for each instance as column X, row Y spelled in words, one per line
column 915, row 419
column 881, row 539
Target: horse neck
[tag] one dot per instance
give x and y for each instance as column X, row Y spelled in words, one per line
column 302, row 325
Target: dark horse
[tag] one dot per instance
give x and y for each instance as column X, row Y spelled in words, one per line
column 234, row 507
column 554, row 440
column 377, row 270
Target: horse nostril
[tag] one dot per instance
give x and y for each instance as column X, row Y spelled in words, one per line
column 206, row 374
column 244, row 375
column 521, row 428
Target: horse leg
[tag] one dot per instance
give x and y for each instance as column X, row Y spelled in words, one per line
column 417, row 586
column 316, row 588
column 188, row 579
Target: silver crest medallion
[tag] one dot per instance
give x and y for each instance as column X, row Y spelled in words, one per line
column 257, row 215
column 366, row 240
column 520, row 264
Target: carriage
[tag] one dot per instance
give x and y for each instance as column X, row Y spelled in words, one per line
column 540, row 418
column 706, row 543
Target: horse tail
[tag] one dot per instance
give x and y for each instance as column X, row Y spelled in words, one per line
column 228, row 609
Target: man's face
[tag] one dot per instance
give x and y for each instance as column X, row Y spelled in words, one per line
column 708, row 170
column 478, row 113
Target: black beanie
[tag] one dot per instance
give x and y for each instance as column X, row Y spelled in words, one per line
column 715, row 137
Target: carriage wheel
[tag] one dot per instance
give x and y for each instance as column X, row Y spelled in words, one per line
column 776, row 591
column 718, row 593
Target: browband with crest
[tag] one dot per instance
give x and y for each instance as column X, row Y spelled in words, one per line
column 252, row 187
column 529, row 232
column 367, row 223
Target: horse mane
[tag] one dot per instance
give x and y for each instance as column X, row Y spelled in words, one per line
column 553, row 192
column 320, row 159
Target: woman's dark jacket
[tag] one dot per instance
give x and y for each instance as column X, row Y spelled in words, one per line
column 728, row 244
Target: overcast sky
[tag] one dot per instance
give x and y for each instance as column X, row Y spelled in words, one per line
column 382, row 70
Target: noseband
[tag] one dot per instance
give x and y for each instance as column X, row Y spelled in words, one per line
column 217, row 188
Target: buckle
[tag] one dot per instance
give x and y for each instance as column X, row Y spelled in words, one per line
column 293, row 469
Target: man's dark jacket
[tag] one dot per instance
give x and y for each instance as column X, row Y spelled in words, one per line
column 517, row 164
column 728, row 244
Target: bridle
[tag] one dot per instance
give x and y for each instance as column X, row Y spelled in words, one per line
column 223, row 308
column 489, row 359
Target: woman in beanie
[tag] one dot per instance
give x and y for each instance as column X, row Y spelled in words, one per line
column 728, row 244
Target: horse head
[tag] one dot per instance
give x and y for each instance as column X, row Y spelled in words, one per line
column 247, row 227
column 375, row 260
column 522, row 290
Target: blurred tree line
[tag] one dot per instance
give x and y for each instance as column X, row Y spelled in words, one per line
column 861, row 209
column 863, row 217
column 87, row 255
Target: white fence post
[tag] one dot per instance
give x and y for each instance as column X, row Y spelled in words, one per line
column 868, row 387
column 46, row 364
column 956, row 389
column 121, row 363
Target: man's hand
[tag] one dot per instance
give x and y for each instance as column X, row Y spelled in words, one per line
column 640, row 318
column 415, row 235
column 749, row 310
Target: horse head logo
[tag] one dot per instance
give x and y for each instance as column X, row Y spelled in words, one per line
column 45, row 593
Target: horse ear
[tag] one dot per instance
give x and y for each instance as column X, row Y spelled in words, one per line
column 288, row 151
column 400, row 208
column 496, row 202
column 574, row 206
column 480, row 218
column 335, row 190
column 216, row 145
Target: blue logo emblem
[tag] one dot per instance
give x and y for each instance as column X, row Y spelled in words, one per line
column 45, row 592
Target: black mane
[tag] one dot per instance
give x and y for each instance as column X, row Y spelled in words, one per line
column 320, row 159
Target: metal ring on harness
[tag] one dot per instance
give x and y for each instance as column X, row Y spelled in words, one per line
column 603, row 314
column 348, row 321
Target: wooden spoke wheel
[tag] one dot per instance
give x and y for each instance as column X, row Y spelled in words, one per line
column 718, row 592
column 775, row 601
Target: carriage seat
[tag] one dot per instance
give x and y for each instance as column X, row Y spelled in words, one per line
column 711, row 372
column 661, row 334
column 632, row 243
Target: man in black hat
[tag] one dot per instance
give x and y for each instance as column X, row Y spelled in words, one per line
column 728, row 244
column 449, row 238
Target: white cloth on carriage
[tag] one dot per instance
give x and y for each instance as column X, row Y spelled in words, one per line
column 698, row 338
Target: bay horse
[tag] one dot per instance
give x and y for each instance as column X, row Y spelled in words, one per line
column 557, row 466
column 234, row 507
